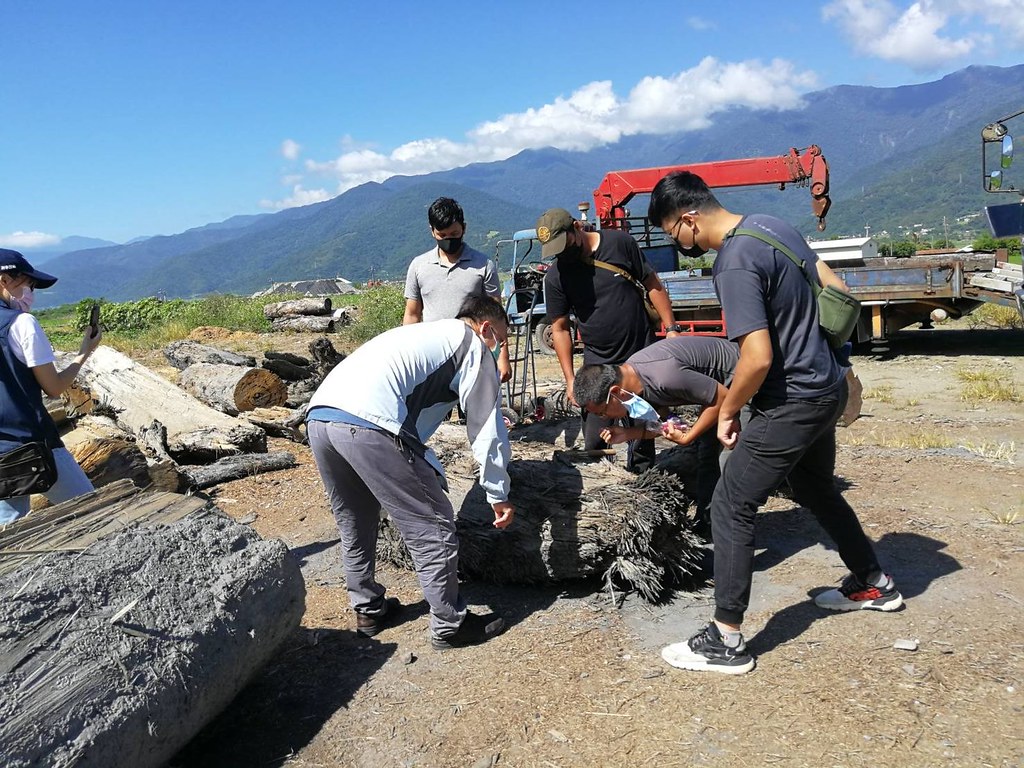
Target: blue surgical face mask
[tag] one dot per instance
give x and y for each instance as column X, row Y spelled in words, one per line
column 639, row 409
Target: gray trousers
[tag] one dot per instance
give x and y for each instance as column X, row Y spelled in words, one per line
column 365, row 470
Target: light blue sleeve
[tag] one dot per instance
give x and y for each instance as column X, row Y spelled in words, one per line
column 480, row 397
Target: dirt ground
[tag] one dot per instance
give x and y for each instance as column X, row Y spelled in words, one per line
column 577, row 682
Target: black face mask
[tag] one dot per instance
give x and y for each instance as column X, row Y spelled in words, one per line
column 450, row 245
column 572, row 253
column 693, row 252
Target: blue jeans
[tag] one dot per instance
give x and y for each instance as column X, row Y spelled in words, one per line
column 796, row 438
column 71, row 482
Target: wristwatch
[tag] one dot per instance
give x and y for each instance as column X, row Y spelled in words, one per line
column 674, row 328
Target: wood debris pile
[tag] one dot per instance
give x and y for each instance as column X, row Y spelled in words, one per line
column 311, row 315
column 128, row 422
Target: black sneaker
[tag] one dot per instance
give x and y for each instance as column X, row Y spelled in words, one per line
column 368, row 626
column 857, row 595
column 707, row 652
column 472, row 631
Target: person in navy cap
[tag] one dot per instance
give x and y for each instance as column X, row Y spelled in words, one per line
column 27, row 370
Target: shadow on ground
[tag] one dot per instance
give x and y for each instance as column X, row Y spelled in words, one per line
column 943, row 342
column 915, row 561
column 287, row 705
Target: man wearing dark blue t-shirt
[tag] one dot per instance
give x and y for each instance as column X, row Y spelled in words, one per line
column 796, row 389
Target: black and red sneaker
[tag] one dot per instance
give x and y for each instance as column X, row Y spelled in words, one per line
column 855, row 594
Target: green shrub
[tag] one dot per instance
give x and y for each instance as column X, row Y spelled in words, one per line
column 236, row 313
column 380, row 309
column 129, row 317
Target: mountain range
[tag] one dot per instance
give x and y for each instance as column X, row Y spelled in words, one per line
column 899, row 158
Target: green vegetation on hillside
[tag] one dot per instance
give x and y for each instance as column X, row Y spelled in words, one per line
column 152, row 323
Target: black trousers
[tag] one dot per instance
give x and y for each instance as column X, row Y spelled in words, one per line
column 796, row 438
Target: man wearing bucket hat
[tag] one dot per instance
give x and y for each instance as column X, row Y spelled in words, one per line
column 608, row 306
column 27, row 370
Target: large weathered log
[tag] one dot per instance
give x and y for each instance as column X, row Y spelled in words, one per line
column 195, row 432
column 324, row 355
column 236, row 467
column 278, row 422
column 344, row 315
column 297, row 307
column 288, row 370
column 300, row 392
column 119, row 654
column 181, row 354
column 293, row 359
column 303, row 323
column 232, row 389
column 574, row 520
column 106, row 452
column 58, row 411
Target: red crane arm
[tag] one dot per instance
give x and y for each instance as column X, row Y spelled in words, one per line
column 806, row 166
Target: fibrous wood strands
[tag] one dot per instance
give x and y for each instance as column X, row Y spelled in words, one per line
column 589, row 520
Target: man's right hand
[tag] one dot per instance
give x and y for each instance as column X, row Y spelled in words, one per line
column 728, row 430
column 503, row 514
column 569, row 393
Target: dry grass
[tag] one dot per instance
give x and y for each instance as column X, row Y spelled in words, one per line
column 882, row 393
column 1009, row 517
column 997, row 451
column 986, row 385
column 916, row 440
column 995, row 316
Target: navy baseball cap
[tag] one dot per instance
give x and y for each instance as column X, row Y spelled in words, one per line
column 12, row 262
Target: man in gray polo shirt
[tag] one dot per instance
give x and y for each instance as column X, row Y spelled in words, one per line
column 440, row 280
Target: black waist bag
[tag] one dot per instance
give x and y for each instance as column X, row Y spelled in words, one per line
column 27, row 469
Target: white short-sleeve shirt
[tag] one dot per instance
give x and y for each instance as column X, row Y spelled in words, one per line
column 28, row 341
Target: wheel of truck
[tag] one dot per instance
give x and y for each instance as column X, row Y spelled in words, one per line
column 542, row 338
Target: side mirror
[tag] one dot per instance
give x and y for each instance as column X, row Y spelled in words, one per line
column 1007, row 154
column 994, row 181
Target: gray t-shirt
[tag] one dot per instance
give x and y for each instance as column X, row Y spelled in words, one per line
column 685, row 370
column 442, row 287
column 760, row 288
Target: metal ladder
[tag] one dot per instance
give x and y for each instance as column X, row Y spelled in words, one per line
column 521, row 389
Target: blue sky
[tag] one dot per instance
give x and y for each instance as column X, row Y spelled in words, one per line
column 127, row 119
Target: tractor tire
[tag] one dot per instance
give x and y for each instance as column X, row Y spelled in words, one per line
column 542, row 338
column 511, row 417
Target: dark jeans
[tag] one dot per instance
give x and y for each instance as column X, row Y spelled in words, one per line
column 640, row 454
column 797, row 439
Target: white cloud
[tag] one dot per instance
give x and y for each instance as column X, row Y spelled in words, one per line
column 26, row 240
column 591, row 116
column 290, row 149
column 929, row 34
column 701, row 24
column 299, row 196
